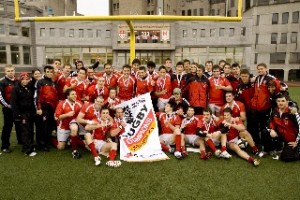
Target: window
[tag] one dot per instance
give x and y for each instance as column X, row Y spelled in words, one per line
column 231, row 32
column 274, row 38
column 80, row 33
column 107, row 33
column 295, row 17
column 294, row 37
column 256, row 38
column 257, row 20
column 71, row 33
column 194, row 33
column 213, row 12
column 294, row 57
column 42, row 32
column 218, row 12
column 285, row 18
column 98, row 33
column 189, row 12
column 2, row 29
column 52, row 32
column 277, row 58
column 232, row 3
column 184, row 33
column 202, row 32
column 62, row 32
column 283, row 39
column 222, row 32
column 3, row 55
column 90, row 33
column 26, row 55
column 25, row 31
column 183, row 12
column 243, row 31
column 15, row 54
column 195, row 12
column 201, row 12
column 255, row 58
column 275, row 18
column 13, row 30
column 212, row 32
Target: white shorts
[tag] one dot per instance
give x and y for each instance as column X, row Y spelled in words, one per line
column 161, row 103
column 191, row 139
column 167, row 138
column 81, row 129
column 99, row 144
column 63, row 135
column 234, row 140
column 214, row 108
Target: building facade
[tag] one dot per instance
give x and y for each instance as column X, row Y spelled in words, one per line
column 269, row 32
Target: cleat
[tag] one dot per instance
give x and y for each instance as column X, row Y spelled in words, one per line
column 113, row 163
column 6, row 150
column 97, row 160
column 255, row 152
column 76, row 154
column 262, row 154
column 218, row 153
column 225, row 154
column 32, row 154
column 256, row 162
column 178, row 155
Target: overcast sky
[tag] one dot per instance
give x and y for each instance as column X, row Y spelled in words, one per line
column 92, row 7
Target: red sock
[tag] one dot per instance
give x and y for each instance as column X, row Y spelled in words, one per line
column 254, row 149
column 178, row 142
column 93, row 149
column 250, row 159
column 211, row 145
column 164, row 147
column 223, row 148
column 202, row 153
column 112, row 154
column 54, row 141
column 74, row 142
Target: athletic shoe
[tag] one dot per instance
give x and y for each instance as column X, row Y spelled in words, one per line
column 256, row 162
column 218, row 153
column 97, row 160
column 76, row 154
column 262, row 154
column 178, row 155
column 31, row 154
column 225, row 154
column 6, row 150
column 184, row 153
column 205, row 156
column 113, row 163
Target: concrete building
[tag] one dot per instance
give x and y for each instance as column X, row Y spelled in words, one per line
column 269, row 32
column 54, row 7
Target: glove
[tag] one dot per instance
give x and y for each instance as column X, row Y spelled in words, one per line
column 224, row 129
column 200, row 133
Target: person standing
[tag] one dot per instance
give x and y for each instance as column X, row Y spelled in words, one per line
column 22, row 105
column 261, row 102
column 6, row 85
column 46, row 100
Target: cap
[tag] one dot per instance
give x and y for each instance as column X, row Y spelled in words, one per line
column 177, row 91
column 24, row 75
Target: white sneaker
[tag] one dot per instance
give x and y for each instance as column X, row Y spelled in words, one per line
column 178, row 155
column 225, row 154
column 32, row 154
column 97, row 160
column 218, row 153
column 113, row 163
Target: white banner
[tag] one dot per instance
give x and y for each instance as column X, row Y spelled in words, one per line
column 140, row 142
